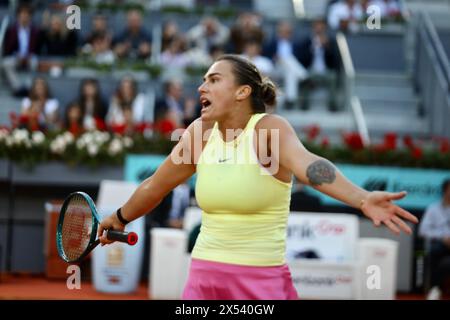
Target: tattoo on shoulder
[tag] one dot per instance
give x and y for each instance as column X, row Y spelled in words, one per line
column 321, row 171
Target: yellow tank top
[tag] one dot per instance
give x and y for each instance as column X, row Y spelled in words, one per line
column 244, row 208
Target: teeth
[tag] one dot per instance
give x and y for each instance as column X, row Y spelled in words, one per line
column 205, row 102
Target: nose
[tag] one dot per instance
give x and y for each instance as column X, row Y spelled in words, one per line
column 202, row 88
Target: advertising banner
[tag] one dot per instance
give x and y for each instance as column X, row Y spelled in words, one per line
column 139, row 167
column 423, row 185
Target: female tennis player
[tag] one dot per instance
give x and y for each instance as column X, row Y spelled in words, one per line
column 244, row 160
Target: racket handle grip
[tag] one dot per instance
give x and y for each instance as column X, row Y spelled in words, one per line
column 130, row 238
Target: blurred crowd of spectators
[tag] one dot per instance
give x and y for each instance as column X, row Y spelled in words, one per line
column 297, row 64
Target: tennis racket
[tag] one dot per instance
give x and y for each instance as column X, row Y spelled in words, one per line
column 77, row 229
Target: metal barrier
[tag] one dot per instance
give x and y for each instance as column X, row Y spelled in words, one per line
column 3, row 27
column 350, row 99
column 436, row 43
column 432, row 77
column 156, row 44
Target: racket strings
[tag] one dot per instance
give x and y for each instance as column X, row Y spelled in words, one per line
column 76, row 228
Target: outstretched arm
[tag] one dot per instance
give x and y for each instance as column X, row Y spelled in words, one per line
column 152, row 190
column 326, row 178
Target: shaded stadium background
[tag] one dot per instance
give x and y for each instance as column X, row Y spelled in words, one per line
column 376, row 102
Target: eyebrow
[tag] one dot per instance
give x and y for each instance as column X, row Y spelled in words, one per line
column 211, row 75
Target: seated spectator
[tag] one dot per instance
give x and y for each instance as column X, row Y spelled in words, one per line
column 252, row 51
column 175, row 54
column 20, row 50
column 345, row 15
column 126, row 110
column 39, row 108
column 93, row 107
column 101, row 51
column 435, row 227
column 73, row 118
column 170, row 31
column 282, row 50
column 99, row 30
column 175, row 51
column 99, row 26
column 247, row 27
column 199, row 58
column 173, row 108
column 57, row 40
column 134, row 42
column 209, row 32
column 319, row 54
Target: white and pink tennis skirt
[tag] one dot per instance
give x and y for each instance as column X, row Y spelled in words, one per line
column 209, row 280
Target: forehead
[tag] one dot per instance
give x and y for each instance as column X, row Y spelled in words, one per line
column 176, row 85
column 24, row 11
column 223, row 67
column 284, row 26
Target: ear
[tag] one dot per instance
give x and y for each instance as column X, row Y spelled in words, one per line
column 243, row 92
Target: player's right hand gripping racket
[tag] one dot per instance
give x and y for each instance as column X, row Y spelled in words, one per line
column 77, row 228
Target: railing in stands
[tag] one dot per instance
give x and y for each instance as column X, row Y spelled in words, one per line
column 432, row 77
column 156, row 44
column 350, row 99
column 432, row 34
column 3, row 27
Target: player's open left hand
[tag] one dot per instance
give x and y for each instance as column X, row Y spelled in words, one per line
column 380, row 208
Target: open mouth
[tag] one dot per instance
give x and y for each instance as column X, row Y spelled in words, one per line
column 205, row 103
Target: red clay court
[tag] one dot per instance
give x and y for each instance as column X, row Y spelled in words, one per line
column 27, row 287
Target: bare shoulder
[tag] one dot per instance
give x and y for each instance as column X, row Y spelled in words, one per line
column 274, row 121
